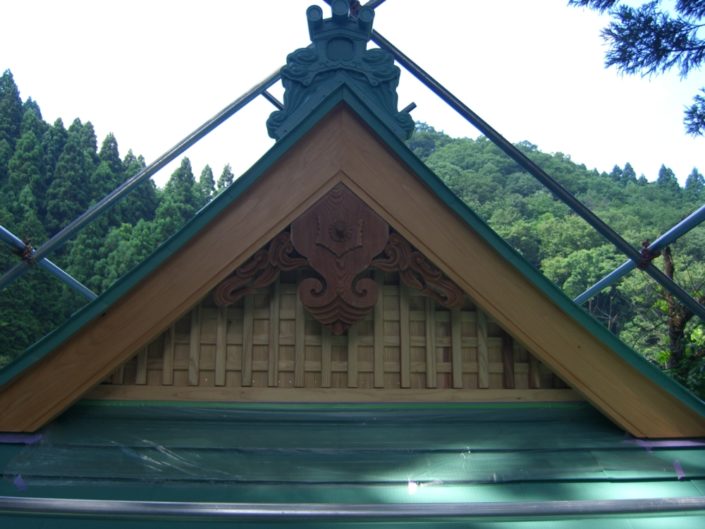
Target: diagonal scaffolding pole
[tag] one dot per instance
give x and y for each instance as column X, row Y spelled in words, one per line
column 532, row 168
column 261, row 89
column 683, row 227
column 131, row 183
column 14, row 241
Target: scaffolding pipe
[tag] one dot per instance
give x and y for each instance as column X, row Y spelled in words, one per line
column 343, row 511
column 131, row 183
column 128, row 185
column 273, row 100
column 683, row 227
column 14, row 241
column 532, row 168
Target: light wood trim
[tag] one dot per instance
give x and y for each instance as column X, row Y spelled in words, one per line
column 141, row 374
column 483, row 359
column 379, row 332
column 118, row 376
column 456, row 347
column 326, row 349
column 353, row 343
column 168, row 356
column 221, row 331
column 534, row 373
column 262, row 394
column 194, row 357
column 404, row 344
column 507, row 361
column 300, row 345
column 431, row 375
column 248, row 321
column 273, row 367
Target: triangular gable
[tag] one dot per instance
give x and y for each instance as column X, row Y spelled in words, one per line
column 335, row 144
column 254, row 339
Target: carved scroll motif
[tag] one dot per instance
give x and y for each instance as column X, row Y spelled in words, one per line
column 260, row 271
column 338, row 239
column 339, row 235
column 416, row 271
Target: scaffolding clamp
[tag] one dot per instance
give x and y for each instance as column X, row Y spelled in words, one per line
column 26, row 253
column 647, row 255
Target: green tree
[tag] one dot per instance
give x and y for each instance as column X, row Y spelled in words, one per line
column 667, row 180
column 695, row 185
column 110, row 172
column 142, row 201
column 10, row 120
column 32, row 120
column 649, row 39
column 628, row 174
column 179, row 201
column 53, row 143
column 25, row 171
column 225, row 179
column 10, row 109
column 125, row 247
column 69, row 192
column 206, row 186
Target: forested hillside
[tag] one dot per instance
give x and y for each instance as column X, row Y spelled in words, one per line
column 50, row 173
column 572, row 254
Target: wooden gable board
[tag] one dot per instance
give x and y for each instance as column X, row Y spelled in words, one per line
column 265, row 347
column 336, row 143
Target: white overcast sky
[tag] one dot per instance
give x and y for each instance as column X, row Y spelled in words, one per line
column 152, row 71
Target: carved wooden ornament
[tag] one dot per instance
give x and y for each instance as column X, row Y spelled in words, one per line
column 260, row 270
column 339, row 238
column 339, row 235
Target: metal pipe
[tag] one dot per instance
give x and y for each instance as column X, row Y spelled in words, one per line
column 128, row 185
column 373, row 4
column 11, row 239
column 683, row 227
column 532, row 168
column 120, row 508
column 273, row 100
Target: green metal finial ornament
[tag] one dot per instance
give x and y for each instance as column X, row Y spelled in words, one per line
column 339, row 56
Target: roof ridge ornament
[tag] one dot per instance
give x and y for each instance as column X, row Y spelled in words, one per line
column 339, row 55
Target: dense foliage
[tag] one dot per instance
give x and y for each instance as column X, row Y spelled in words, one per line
column 572, row 254
column 653, row 38
column 50, row 173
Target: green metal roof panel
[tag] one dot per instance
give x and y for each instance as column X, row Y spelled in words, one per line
column 356, row 455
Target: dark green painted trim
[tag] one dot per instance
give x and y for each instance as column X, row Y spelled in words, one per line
column 347, row 94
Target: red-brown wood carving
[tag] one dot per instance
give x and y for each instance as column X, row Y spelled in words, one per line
column 337, row 240
column 260, row 270
column 418, row 272
column 339, row 235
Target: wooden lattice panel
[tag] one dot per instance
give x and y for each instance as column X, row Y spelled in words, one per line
column 267, row 345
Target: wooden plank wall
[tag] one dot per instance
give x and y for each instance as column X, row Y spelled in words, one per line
column 268, row 340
